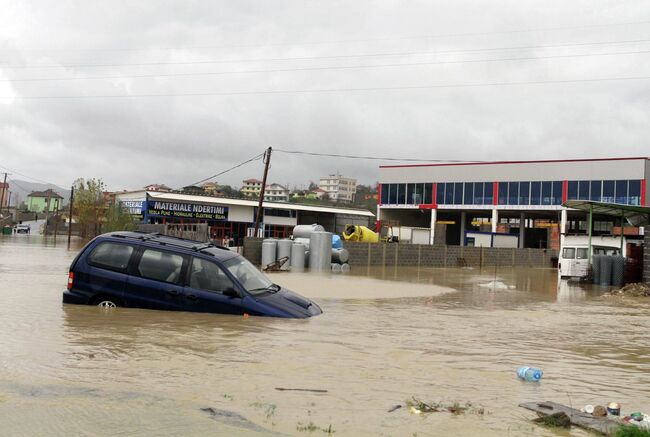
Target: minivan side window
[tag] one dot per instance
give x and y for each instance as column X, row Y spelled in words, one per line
column 160, row 266
column 569, row 253
column 206, row 275
column 581, row 253
column 112, row 256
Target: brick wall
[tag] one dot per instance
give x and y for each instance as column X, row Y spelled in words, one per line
column 363, row 254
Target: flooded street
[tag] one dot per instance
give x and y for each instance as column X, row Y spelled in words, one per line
column 386, row 335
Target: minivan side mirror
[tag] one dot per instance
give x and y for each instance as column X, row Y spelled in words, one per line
column 231, row 292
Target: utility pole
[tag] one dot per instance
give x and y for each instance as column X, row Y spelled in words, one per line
column 47, row 212
column 260, row 210
column 2, row 197
column 70, row 216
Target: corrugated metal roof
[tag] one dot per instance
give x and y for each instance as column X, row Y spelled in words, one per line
column 253, row 203
column 638, row 215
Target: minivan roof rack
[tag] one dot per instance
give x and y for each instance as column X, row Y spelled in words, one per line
column 170, row 240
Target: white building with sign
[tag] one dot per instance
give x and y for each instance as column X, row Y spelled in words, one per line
column 234, row 217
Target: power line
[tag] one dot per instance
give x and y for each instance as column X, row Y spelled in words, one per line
column 343, row 67
column 329, row 90
column 29, row 177
column 374, row 158
column 256, row 157
column 306, row 58
column 348, row 41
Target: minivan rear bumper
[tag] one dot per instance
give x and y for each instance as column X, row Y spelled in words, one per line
column 75, row 298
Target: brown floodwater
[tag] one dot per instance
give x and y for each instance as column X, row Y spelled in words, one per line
column 386, row 335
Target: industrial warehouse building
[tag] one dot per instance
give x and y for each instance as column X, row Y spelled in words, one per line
column 451, row 202
column 235, row 218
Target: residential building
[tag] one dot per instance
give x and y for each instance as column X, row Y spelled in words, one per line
column 339, row 188
column 4, row 194
column 276, row 193
column 516, row 197
column 319, row 193
column 211, row 188
column 160, row 188
column 251, row 188
column 42, row 201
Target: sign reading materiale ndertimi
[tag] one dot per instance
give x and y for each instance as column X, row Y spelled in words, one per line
column 186, row 210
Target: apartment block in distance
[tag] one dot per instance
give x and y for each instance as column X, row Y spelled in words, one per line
column 251, row 188
column 339, row 188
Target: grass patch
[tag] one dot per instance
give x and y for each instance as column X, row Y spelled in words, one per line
column 556, row 420
column 631, row 431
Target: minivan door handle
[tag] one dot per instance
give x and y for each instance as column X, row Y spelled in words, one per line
column 191, row 296
column 173, row 292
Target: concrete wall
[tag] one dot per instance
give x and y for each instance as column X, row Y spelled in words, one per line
column 646, row 256
column 363, row 254
column 253, row 250
column 446, row 256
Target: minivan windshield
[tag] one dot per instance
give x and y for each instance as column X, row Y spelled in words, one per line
column 250, row 278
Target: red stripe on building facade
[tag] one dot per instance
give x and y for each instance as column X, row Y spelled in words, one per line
column 643, row 192
column 379, row 194
column 495, row 193
column 565, row 191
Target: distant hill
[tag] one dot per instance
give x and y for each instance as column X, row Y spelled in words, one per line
column 21, row 190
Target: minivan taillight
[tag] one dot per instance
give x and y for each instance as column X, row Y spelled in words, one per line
column 70, row 280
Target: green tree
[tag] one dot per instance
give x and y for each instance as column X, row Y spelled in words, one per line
column 89, row 206
column 229, row 191
column 118, row 219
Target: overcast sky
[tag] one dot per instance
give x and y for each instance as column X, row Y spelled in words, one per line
column 168, row 136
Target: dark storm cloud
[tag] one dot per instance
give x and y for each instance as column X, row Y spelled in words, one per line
column 130, row 142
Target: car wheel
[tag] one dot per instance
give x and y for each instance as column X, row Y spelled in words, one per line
column 106, row 302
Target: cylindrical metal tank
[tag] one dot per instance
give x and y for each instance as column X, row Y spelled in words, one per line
column 320, row 251
column 303, row 241
column 284, row 249
column 304, row 231
column 269, row 250
column 297, row 257
column 595, row 268
column 618, row 269
column 605, row 270
column 336, row 268
column 345, row 268
column 340, row 256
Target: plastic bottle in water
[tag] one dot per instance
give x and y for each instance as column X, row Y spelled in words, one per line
column 532, row 374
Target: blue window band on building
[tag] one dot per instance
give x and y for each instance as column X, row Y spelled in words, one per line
column 521, row 193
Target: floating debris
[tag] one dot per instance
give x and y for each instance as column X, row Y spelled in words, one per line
column 394, row 407
column 632, row 290
column 312, row 390
column 417, row 406
column 555, row 420
column 497, row 285
column 233, row 419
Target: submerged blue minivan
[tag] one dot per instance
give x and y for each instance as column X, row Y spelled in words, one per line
column 133, row 269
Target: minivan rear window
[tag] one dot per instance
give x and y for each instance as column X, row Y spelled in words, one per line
column 581, row 253
column 113, row 256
